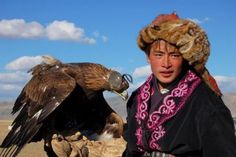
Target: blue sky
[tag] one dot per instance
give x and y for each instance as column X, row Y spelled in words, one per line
column 104, row 32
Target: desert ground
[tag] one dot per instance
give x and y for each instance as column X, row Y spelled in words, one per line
column 30, row 150
column 36, row 149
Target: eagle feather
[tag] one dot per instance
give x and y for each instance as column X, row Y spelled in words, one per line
column 63, row 98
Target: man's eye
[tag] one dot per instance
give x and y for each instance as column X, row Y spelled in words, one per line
column 175, row 55
column 158, row 54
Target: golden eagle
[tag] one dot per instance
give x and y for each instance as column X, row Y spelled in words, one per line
column 64, row 98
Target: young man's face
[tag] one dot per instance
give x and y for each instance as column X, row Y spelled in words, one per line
column 165, row 61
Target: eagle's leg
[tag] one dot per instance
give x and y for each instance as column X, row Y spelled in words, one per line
column 79, row 152
column 49, row 151
column 60, row 146
column 51, row 133
column 114, row 125
column 70, row 146
column 48, row 145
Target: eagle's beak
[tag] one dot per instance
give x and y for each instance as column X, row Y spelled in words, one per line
column 124, row 95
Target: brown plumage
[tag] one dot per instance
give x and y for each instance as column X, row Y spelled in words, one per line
column 63, row 99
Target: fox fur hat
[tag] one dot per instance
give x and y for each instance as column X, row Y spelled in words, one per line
column 187, row 36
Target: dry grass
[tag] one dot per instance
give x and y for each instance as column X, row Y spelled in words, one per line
column 31, row 150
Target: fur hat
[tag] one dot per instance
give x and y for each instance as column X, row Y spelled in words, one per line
column 187, row 36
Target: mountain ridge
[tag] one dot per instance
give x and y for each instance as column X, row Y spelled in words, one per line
column 118, row 105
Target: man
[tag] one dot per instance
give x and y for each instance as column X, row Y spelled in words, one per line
column 178, row 111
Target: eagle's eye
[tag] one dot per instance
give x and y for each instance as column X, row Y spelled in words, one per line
column 115, row 80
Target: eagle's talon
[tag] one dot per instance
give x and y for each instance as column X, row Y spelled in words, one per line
column 84, row 151
column 58, row 137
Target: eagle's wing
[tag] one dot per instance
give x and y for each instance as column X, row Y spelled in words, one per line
column 38, row 99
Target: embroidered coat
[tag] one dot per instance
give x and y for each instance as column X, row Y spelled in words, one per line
column 188, row 121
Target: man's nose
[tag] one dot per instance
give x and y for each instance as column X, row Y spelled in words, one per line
column 166, row 61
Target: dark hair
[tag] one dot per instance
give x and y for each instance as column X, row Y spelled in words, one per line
column 148, row 48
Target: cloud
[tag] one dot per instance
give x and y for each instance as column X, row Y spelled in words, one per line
column 143, row 71
column 57, row 30
column 24, row 63
column 199, row 21
column 103, row 37
column 11, row 84
column 63, row 30
column 135, row 85
column 10, row 87
column 226, row 84
column 18, row 28
column 10, row 91
column 14, row 77
column 120, row 69
column 96, row 34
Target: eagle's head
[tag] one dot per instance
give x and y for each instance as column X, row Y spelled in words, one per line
column 119, row 83
column 99, row 78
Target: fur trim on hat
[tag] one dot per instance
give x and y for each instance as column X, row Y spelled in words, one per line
column 189, row 38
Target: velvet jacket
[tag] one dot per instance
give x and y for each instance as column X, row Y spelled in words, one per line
column 195, row 123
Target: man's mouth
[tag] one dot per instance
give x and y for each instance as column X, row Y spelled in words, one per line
column 166, row 73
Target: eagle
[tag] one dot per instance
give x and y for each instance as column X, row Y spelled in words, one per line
column 63, row 98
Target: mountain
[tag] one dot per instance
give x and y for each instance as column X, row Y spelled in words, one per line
column 116, row 103
column 230, row 102
column 120, row 106
column 5, row 110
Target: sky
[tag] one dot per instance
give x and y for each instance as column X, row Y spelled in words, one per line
column 104, row 32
